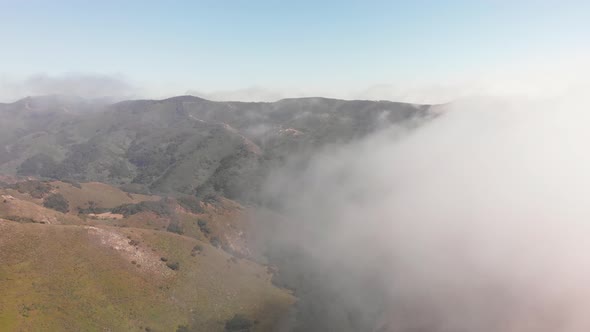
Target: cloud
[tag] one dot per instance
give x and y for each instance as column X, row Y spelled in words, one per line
column 477, row 221
column 550, row 77
column 81, row 85
column 556, row 76
column 251, row 94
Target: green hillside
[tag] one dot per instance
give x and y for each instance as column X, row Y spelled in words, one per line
column 85, row 278
column 184, row 144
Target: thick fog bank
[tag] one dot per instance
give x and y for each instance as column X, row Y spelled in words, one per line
column 477, row 221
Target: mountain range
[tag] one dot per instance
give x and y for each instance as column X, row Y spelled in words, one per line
column 183, row 144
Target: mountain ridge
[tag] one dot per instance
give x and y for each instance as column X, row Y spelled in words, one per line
column 184, row 144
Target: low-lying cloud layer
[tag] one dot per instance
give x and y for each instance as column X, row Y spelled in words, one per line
column 556, row 76
column 478, row 221
column 547, row 77
column 89, row 86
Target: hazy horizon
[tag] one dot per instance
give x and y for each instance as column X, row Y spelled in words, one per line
column 422, row 53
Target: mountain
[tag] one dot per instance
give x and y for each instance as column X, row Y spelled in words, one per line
column 183, row 144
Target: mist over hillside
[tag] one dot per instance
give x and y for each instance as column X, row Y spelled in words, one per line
column 475, row 221
column 377, row 216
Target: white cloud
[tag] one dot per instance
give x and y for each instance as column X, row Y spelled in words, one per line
column 81, row 85
column 477, row 221
column 555, row 77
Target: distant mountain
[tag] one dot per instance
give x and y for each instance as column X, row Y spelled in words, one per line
column 183, row 144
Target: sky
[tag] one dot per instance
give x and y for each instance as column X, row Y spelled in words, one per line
column 272, row 49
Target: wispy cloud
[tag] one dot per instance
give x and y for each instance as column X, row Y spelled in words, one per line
column 73, row 84
column 556, row 77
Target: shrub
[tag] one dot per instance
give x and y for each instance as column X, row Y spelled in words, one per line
column 39, row 164
column 135, row 188
column 74, row 183
column 216, row 242
column 119, row 170
column 173, row 265
column 174, row 227
column 92, row 208
column 211, row 198
column 191, row 204
column 238, row 323
column 203, row 227
column 161, row 208
column 37, row 189
column 196, row 250
column 56, row 202
column 20, row 219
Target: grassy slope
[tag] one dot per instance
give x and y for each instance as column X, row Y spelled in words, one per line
column 65, row 278
column 104, row 195
column 30, row 209
column 225, row 219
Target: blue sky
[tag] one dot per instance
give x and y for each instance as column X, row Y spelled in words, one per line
column 170, row 47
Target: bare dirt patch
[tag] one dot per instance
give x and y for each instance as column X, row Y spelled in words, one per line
column 131, row 250
column 105, row 216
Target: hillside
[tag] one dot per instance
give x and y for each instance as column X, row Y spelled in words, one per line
column 221, row 223
column 87, row 269
column 86, row 278
column 184, row 144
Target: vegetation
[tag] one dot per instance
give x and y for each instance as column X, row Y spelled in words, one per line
column 161, row 208
column 76, row 162
column 190, row 203
column 174, row 227
column 39, row 164
column 74, row 183
column 136, row 188
column 238, row 323
column 92, row 208
column 53, row 269
column 35, row 188
column 203, row 227
column 182, row 328
column 20, row 219
column 96, row 196
column 119, row 170
column 73, row 166
column 196, row 250
column 153, row 160
column 160, row 147
column 215, row 242
column 173, row 265
column 56, row 202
